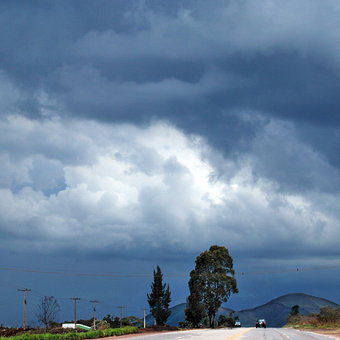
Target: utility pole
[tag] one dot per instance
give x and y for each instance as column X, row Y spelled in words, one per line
column 24, row 291
column 121, row 314
column 75, row 310
column 144, row 317
column 94, row 312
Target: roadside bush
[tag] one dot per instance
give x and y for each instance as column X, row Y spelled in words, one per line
column 329, row 315
column 294, row 319
column 101, row 325
column 185, row 324
column 224, row 321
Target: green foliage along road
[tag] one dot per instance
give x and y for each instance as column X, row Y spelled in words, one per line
column 75, row 336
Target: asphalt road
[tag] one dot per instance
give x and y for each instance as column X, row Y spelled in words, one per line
column 236, row 333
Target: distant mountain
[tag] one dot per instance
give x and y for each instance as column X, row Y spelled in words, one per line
column 275, row 311
column 178, row 314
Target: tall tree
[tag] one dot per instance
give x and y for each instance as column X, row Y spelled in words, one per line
column 160, row 298
column 48, row 309
column 212, row 281
column 194, row 311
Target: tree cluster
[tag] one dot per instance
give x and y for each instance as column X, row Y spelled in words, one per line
column 114, row 322
column 227, row 321
column 211, row 283
column 48, row 309
column 329, row 315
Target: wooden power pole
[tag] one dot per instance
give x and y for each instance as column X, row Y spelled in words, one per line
column 121, row 314
column 75, row 311
column 94, row 313
column 24, row 291
column 144, row 317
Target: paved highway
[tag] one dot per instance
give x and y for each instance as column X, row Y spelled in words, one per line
column 236, row 333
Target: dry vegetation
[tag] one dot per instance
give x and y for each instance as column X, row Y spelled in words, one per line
column 326, row 322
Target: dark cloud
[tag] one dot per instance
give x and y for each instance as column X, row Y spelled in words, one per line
column 151, row 130
column 126, row 47
column 191, row 63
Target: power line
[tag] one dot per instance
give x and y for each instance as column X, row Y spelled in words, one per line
column 8, row 284
column 26, row 270
column 287, row 270
column 135, row 275
column 6, row 303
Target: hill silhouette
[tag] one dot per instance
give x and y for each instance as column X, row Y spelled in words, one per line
column 275, row 311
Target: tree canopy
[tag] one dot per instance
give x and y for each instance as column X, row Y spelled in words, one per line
column 211, row 283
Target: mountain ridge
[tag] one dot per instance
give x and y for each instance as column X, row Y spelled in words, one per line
column 274, row 311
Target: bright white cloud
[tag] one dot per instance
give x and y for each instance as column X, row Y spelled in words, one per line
column 123, row 187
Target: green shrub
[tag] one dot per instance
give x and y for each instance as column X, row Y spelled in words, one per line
column 185, row 324
column 75, row 336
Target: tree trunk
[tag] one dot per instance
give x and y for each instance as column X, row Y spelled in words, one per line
column 212, row 320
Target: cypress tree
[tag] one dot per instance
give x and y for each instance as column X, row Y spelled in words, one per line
column 194, row 312
column 160, row 298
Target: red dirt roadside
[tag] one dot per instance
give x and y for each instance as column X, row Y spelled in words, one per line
column 332, row 332
column 145, row 331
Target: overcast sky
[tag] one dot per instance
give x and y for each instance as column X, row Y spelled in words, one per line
column 137, row 133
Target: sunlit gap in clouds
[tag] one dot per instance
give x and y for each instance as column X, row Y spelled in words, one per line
column 145, row 188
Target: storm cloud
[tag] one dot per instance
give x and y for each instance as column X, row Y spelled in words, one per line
column 89, row 186
column 150, row 130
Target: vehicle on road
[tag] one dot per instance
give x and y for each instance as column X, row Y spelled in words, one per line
column 237, row 323
column 261, row 323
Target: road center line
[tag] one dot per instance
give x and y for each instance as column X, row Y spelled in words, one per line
column 238, row 334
